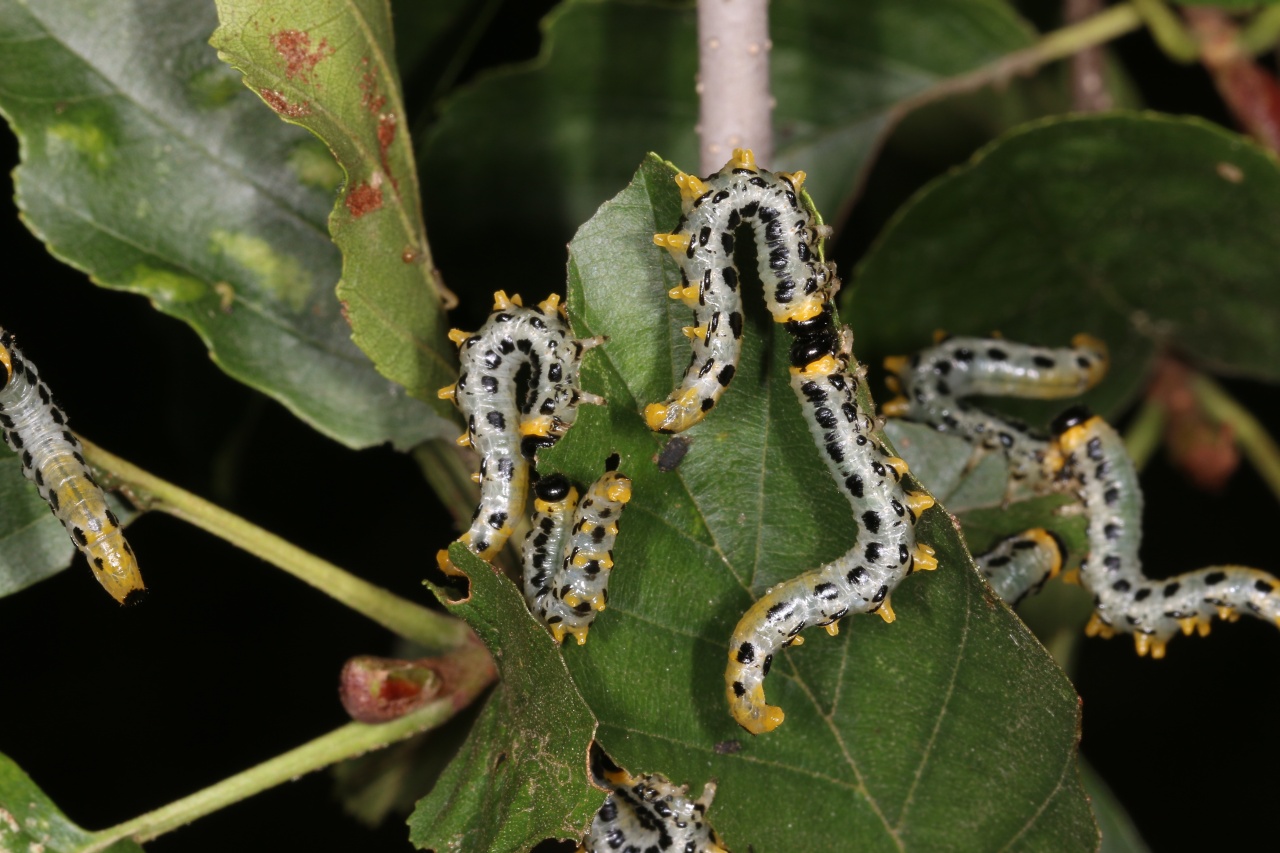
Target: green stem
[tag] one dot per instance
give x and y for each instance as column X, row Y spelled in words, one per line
column 1262, row 32
column 1144, row 434
column 1059, row 44
column 348, row 741
column 1168, row 31
column 435, row 631
column 1258, row 445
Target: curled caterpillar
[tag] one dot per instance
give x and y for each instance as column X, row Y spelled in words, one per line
column 51, row 457
column 1098, row 469
column 568, row 553
column 935, row 383
column 798, row 290
column 648, row 812
column 505, row 431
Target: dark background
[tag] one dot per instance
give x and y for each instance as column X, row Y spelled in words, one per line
column 115, row 712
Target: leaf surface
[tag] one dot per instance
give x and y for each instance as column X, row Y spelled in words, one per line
column 148, row 166
column 520, row 776
column 950, row 728
column 1149, row 232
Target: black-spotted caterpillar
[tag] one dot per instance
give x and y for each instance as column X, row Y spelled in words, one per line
column 934, row 386
column 649, row 813
column 798, row 288
column 1086, row 458
column 1097, row 468
column 567, row 553
column 51, row 456
column 569, row 550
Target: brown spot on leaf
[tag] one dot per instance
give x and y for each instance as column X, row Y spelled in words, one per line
column 280, row 104
column 370, row 99
column 363, row 198
column 294, row 46
column 409, row 255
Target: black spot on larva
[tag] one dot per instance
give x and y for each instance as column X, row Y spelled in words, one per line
column 53, row 501
column 779, row 611
column 506, row 468
column 704, row 235
column 99, row 564
column 1093, row 448
column 56, row 414
column 555, row 372
column 998, row 562
column 853, row 483
column 739, row 690
column 1112, row 562
column 725, row 376
column 1214, row 578
column 872, row 552
column 746, row 653
column 1264, row 586
column 880, row 594
column 856, row 576
column 489, row 384
column 997, row 354
column 872, row 521
column 706, row 367
column 492, row 360
column 903, row 554
column 1042, row 361
column 1112, row 531
column 825, row 591
column 735, row 324
column 111, row 517
column 27, row 460
column 78, row 536
column 1121, row 585
column 825, row 417
column 726, row 242
column 749, row 209
column 1141, row 595
column 708, row 404
column 497, row 520
column 496, row 420
column 1111, row 495
column 730, row 276
column 768, row 664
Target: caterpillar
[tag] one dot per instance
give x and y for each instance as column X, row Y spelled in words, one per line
column 505, row 431
column 35, row 429
column 933, row 386
column 1020, row 565
column 799, row 288
column 568, row 551
column 644, row 813
column 1095, row 465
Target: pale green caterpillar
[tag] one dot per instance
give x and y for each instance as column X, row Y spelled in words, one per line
column 798, row 289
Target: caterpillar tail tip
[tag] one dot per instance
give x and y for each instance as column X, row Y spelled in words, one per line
column 758, row 719
column 446, row 565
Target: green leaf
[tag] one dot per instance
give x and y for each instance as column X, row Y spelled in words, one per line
column 949, row 729
column 146, row 164
column 521, row 775
column 615, row 79
column 330, row 67
column 29, row 821
column 1147, row 231
column 33, row 544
